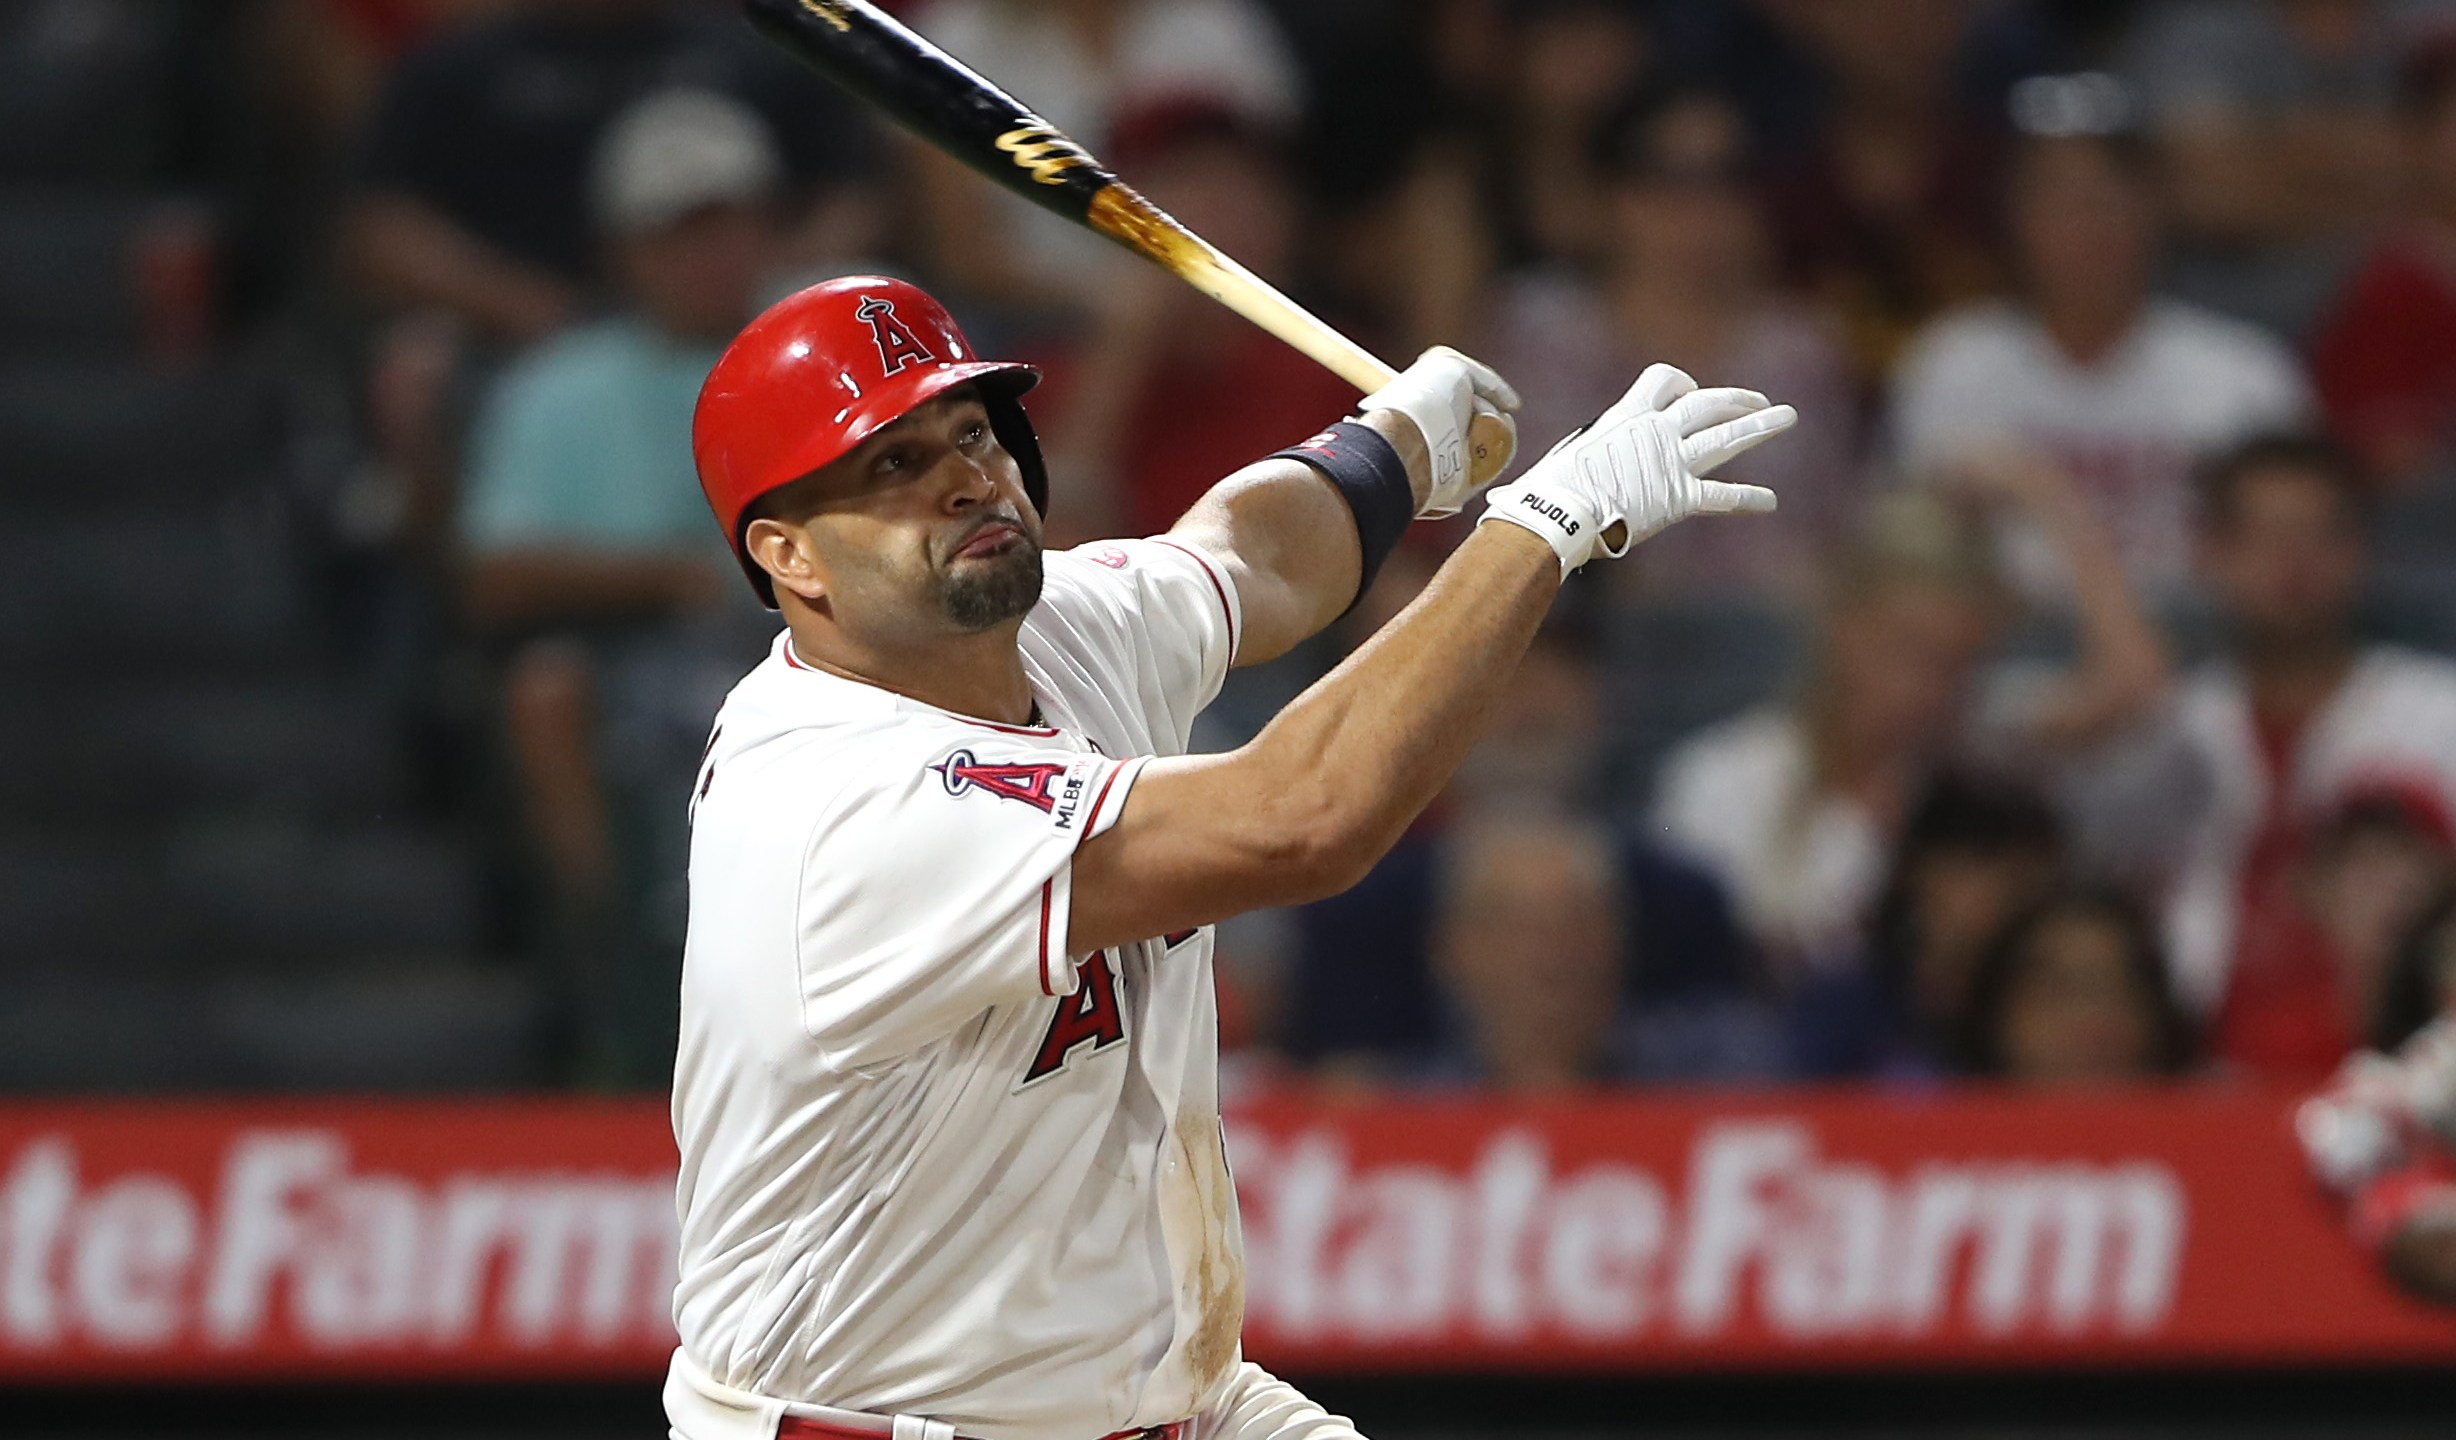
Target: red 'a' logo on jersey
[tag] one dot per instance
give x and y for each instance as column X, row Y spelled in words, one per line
column 897, row 345
column 1090, row 1016
column 1027, row 783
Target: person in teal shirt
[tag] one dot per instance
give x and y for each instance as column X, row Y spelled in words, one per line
column 589, row 564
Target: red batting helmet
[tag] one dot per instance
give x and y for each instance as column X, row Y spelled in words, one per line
column 822, row 370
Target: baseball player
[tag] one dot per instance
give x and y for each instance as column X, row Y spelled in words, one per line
column 2382, row 1136
column 947, row 1095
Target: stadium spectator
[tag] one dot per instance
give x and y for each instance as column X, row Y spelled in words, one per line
column 1083, row 64
column 2370, row 871
column 1881, row 202
column 1452, row 140
column 1173, row 391
column 1976, row 850
column 2270, row 121
column 1795, row 805
column 1577, row 63
column 590, row 557
column 2074, row 992
column 474, row 178
column 2298, row 719
column 2385, row 356
column 1363, row 998
column 1686, row 277
column 1531, row 943
column 2083, row 365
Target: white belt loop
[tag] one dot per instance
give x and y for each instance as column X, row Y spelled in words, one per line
column 916, row 1427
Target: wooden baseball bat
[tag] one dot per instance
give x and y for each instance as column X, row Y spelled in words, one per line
column 937, row 97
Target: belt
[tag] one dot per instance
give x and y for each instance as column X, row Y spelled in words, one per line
column 799, row 1427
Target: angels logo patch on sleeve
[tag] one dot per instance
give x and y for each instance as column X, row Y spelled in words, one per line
column 1030, row 784
column 1062, row 790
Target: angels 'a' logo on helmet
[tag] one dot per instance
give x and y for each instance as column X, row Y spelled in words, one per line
column 897, row 345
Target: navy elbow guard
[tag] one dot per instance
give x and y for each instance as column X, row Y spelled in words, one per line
column 1372, row 480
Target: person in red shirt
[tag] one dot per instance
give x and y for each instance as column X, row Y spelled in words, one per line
column 2385, row 357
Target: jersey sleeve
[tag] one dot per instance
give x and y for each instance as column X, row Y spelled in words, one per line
column 938, row 884
column 1162, row 610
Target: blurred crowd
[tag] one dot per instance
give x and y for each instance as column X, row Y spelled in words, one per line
column 2084, row 714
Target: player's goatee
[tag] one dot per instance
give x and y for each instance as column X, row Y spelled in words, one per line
column 994, row 589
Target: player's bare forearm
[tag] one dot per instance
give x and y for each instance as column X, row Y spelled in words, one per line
column 1326, row 789
column 1289, row 541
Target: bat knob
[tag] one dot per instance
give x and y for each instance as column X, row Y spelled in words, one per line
column 1492, row 442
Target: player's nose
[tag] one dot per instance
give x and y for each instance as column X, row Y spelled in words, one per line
column 967, row 482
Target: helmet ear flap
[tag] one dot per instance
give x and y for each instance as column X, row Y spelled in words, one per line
column 1016, row 437
column 761, row 583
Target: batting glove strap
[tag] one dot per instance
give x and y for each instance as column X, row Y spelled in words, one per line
column 1442, row 393
column 1567, row 520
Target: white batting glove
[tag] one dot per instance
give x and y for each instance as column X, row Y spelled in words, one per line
column 1442, row 393
column 1641, row 466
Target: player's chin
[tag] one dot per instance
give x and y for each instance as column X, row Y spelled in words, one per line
column 985, row 589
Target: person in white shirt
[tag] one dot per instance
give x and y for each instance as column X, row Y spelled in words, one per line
column 947, row 1094
column 2126, row 391
column 1796, row 805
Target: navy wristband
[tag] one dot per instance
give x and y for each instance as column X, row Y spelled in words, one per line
column 1372, row 480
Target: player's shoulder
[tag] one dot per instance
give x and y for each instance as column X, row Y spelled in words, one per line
column 1113, row 582
column 1123, row 564
column 792, row 714
column 826, row 757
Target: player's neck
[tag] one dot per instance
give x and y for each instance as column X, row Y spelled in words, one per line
column 979, row 675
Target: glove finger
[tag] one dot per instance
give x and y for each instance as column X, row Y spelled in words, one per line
column 1440, row 377
column 1657, row 387
column 1699, row 408
column 1721, row 497
column 1711, row 447
column 1485, row 381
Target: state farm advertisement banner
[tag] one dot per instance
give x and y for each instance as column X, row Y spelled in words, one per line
column 1779, row 1230
column 360, row 1239
column 1794, row 1230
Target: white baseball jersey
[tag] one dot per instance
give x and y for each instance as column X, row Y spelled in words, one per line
column 932, row 1164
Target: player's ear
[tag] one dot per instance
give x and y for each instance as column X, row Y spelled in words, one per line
column 786, row 553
